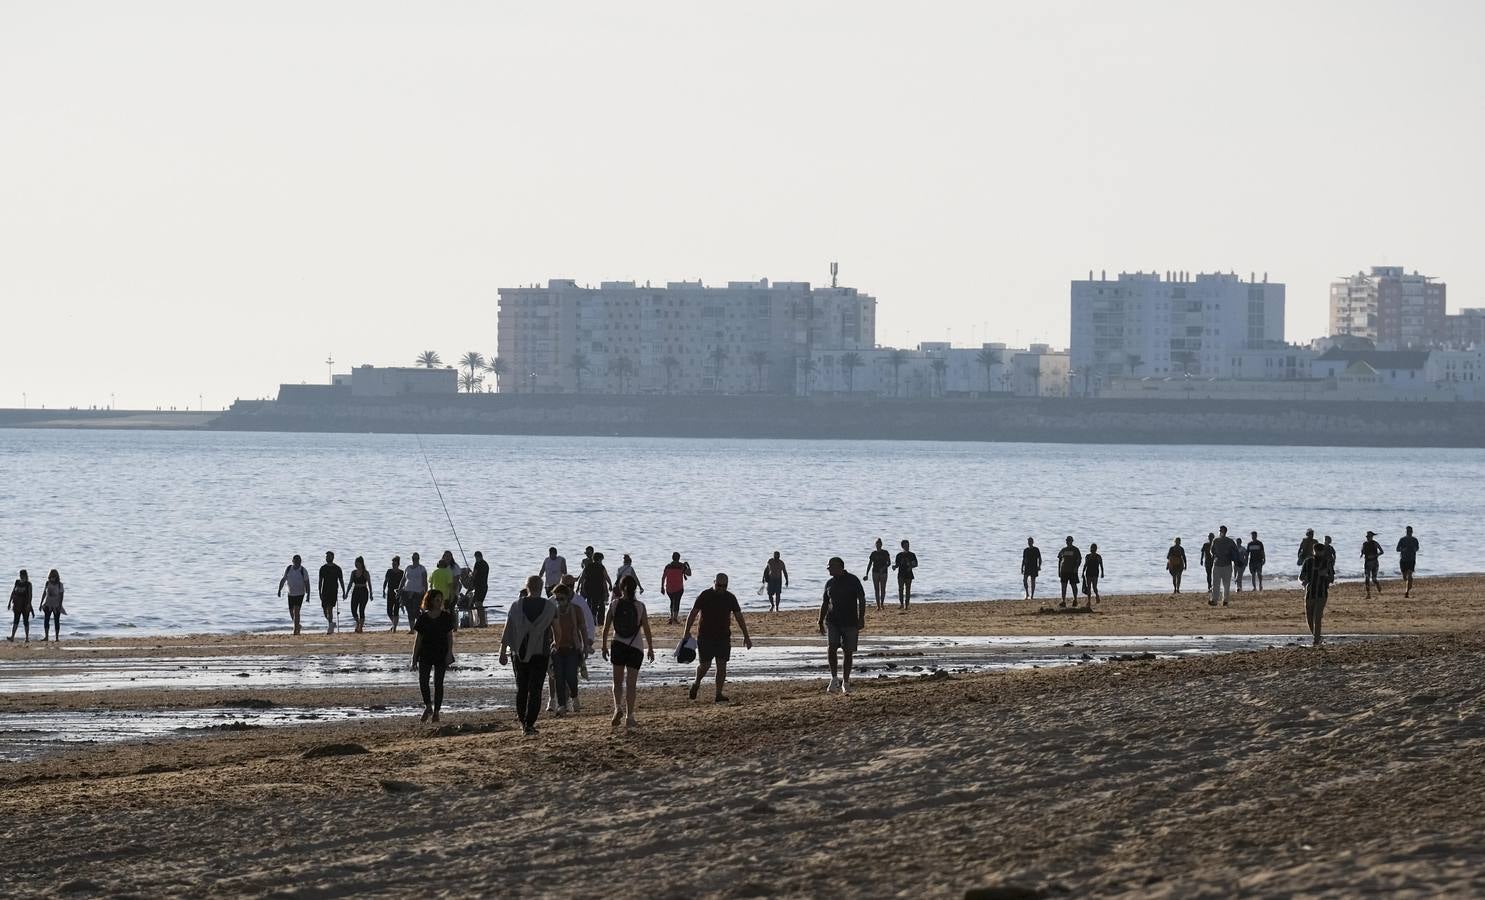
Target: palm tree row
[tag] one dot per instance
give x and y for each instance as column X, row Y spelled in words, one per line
column 473, row 363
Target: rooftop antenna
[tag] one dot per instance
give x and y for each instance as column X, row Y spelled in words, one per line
column 834, row 271
column 330, row 367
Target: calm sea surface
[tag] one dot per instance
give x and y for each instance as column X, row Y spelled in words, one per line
column 185, row 531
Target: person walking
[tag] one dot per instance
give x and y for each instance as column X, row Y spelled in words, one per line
column 1031, row 566
column 1316, row 580
column 1306, row 547
column 877, row 565
column 1092, row 571
column 626, row 570
column 906, row 565
column 479, row 588
column 589, row 635
column 1206, row 558
column 51, row 605
column 414, row 586
column 1069, row 561
column 1223, row 554
column 673, row 583
column 1256, row 558
column 332, row 587
column 20, row 606
column 628, row 622
column 1326, row 552
column 296, row 579
column 359, row 590
column 433, row 648
column 716, row 607
column 1407, row 559
column 775, row 577
column 392, row 591
column 595, row 586
column 1239, row 562
column 571, row 642
column 1175, row 564
column 552, row 569
column 526, row 643
column 1371, row 563
column 842, row 616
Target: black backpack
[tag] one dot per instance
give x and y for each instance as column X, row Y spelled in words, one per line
column 625, row 615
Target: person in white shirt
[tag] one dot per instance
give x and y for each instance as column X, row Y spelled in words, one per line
column 296, row 578
column 626, row 569
column 552, row 569
column 414, row 586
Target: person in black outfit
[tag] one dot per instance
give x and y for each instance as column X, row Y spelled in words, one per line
column 1256, row 558
column 1092, row 571
column 1031, row 566
column 20, row 604
column 526, row 643
column 877, row 565
column 1206, row 558
column 392, row 591
column 332, row 588
column 595, row 586
column 905, row 564
column 1175, row 564
column 1069, row 562
column 479, row 585
column 434, row 627
column 359, row 592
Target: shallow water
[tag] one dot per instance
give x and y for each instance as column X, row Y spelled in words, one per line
column 170, row 532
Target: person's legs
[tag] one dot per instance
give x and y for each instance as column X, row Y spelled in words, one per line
column 618, row 693
column 834, row 665
column 721, row 678
column 1209, row 576
column 703, row 665
column 523, row 689
column 907, row 593
column 879, row 584
column 1222, row 578
column 537, row 676
column 424, row 668
column 1025, row 586
column 14, row 624
column 439, row 668
column 675, row 607
column 329, row 610
column 295, row 605
column 1319, row 613
column 1238, row 571
column 1093, row 583
column 559, row 678
column 1033, row 587
column 632, row 677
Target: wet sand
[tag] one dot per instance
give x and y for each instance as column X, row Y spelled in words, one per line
column 1349, row 769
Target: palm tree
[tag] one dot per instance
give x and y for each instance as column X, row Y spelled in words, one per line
column 940, row 367
column 470, row 382
column 850, row 362
column 1034, row 372
column 623, row 367
column 718, row 356
column 579, row 365
column 429, row 359
column 808, row 368
column 758, row 359
column 671, row 364
column 1134, row 360
column 1005, row 380
column 497, row 367
column 988, row 358
column 472, row 361
column 896, row 359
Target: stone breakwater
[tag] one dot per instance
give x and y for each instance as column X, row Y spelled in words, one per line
column 1185, row 421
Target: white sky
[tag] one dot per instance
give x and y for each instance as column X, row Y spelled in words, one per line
column 209, row 198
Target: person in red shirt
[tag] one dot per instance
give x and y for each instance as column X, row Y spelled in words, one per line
column 716, row 607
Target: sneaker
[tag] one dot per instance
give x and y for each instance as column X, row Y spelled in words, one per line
column 833, row 686
column 695, row 688
column 618, row 717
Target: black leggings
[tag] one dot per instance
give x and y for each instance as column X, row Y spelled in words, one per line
column 50, row 615
column 358, row 604
column 675, row 604
column 394, row 606
column 21, row 615
column 531, row 676
column 437, row 668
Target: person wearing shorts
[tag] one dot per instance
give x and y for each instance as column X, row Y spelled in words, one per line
column 1407, row 559
column 296, row 579
column 1069, row 562
column 716, row 607
column 1256, row 558
column 414, row 586
column 1315, row 576
column 673, row 583
column 1371, row 561
column 877, row 565
column 905, row 563
column 1031, row 566
column 842, row 616
column 775, row 576
column 332, row 587
column 392, row 591
column 628, row 621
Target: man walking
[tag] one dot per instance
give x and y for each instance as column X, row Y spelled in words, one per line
column 1316, row 579
column 775, row 577
column 716, row 607
column 1407, row 559
column 1256, row 558
column 296, row 578
column 332, row 586
column 392, row 591
column 1371, row 563
column 1069, row 559
column 1223, row 555
column 552, row 569
column 842, row 616
column 1031, row 566
column 1206, row 558
column 906, row 562
column 595, row 586
column 414, row 586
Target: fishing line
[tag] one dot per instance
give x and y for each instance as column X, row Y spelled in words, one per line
column 441, row 502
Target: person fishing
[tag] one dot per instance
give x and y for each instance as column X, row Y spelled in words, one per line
column 20, row 605
column 359, row 591
column 433, row 650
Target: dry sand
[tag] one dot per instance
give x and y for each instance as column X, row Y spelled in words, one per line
column 1287, row 771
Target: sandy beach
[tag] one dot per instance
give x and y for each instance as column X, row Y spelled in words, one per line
column 1349, row 769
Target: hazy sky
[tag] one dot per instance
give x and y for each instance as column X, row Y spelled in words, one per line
column 209, row 198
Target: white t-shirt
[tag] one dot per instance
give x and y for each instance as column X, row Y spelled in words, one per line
column 415, row 578
column 552, row 568
column 296, row 579
column 638, row 640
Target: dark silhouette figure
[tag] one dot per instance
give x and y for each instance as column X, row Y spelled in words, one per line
column 1069, row 560
column 1031, row 566
column 1175, row 564
column 1407, row 559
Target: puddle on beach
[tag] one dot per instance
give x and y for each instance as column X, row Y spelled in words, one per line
column 30, row 734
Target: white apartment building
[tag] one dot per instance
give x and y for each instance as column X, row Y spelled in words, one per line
column 685, row 337
column 936, row 369
column 1143, row 324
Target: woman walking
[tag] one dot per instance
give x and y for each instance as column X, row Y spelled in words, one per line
column 20, row 603
column 628, row 620
column 570, row 642
column 527, row 645
column 359, row 590
column 392, row 591
column 433, row 649
column 1175, row 564
column 51, row 604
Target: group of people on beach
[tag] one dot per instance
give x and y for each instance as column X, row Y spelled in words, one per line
column 21, row 606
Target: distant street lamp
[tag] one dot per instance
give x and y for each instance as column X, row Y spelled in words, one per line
column 330, row 369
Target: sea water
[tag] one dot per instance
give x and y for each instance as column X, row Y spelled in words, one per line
column 189, row 531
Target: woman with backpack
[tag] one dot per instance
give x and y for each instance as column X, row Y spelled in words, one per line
column 51, row 604
column 20, row 602
column 628, row 620
column 527, row 645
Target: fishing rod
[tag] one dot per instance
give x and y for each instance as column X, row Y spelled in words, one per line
column 441, row 500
